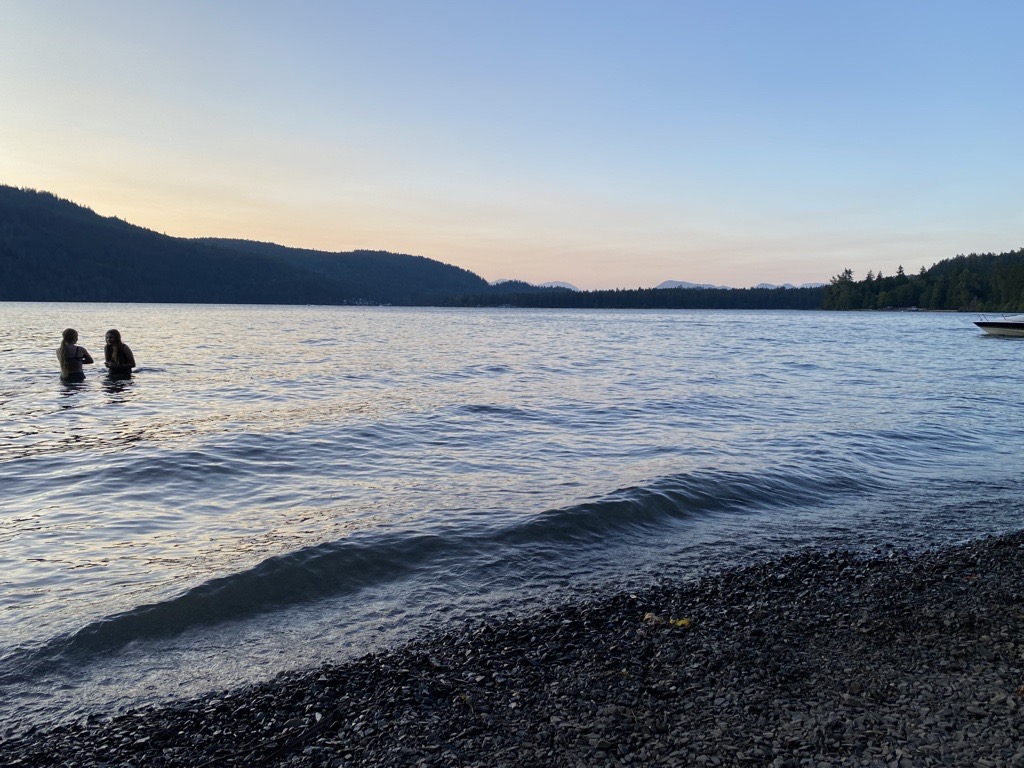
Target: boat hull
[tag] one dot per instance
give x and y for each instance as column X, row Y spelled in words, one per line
column 1001, row 328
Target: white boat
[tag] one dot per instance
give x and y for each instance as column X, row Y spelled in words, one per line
column 1006, row 325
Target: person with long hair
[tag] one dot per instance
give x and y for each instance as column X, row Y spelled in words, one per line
column 72, row 357
column 117, row 356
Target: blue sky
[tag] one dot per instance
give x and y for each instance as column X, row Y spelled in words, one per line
column 604, row 144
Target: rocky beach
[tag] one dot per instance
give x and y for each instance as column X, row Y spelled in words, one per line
column 817, row 659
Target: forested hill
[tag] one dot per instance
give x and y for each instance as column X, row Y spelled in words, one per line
column 373, row 274
column 54, row 250
column 987, row 282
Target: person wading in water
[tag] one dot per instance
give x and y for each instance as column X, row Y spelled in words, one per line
column 117, row 356
column 71, row 357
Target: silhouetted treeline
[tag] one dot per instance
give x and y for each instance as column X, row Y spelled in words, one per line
column 54, row 250
column 653, row 298
column 981, row 283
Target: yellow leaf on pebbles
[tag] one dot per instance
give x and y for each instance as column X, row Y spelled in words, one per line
column 653, row 618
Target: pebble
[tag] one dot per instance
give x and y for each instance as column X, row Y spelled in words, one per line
column 816, row 659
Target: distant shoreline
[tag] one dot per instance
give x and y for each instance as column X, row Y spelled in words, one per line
column 369, row 305
column 58, row 250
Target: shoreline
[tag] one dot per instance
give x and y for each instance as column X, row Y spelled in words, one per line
column 819, row 658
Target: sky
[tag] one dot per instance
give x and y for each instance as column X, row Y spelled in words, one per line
column 603, row 144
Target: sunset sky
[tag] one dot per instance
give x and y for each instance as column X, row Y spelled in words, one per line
column 605, row 144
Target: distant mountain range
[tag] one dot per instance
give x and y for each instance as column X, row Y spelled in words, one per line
column 684, row 284
column 559, row 284
column 790, row 285
column 708, row 286
column 668, row 284
column 52, row 249
column 555, row 284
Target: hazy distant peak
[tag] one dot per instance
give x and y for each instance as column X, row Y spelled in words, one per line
column 771, row 286
column 684, row 284
column 554, row 284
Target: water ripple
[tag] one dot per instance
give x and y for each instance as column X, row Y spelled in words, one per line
column 283, row 473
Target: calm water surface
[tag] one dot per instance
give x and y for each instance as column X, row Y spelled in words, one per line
column 281, row 486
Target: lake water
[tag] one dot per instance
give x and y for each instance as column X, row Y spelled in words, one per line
column 282, row 486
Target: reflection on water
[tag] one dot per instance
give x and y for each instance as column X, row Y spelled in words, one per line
column 322, row 465
column 69, row 389
column 119, row 385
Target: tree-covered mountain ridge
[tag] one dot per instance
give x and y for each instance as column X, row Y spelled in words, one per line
column 52, row 249
column 988, row 282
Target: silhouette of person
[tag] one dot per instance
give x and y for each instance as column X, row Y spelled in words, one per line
column 117, row 356
column 71, row 357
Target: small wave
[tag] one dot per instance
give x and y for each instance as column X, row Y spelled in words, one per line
column 678, row 498
column 302, row 576
column 363, row 561
column 473, row 371
column 513, row 412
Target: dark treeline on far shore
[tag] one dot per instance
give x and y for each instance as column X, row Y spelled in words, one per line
column 652, row 298
column 55, row 250
column 979, row 283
